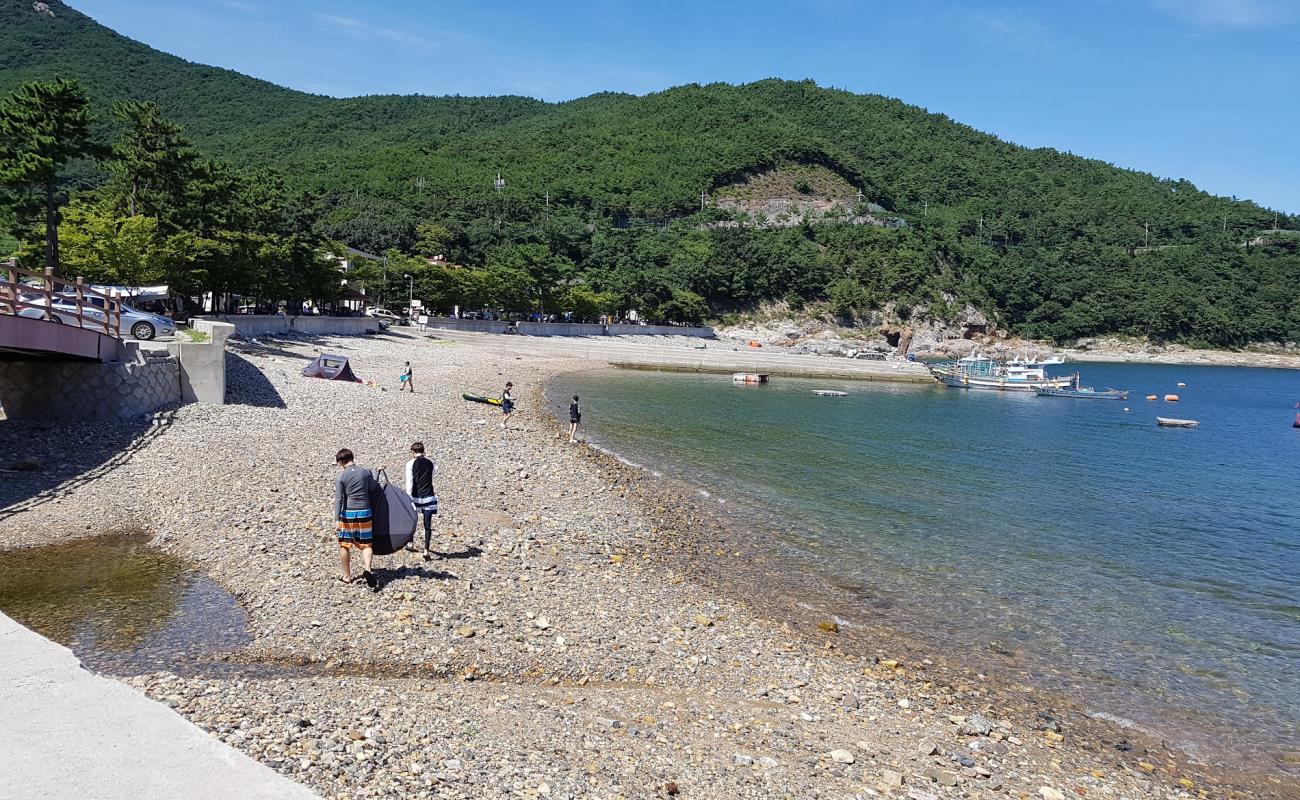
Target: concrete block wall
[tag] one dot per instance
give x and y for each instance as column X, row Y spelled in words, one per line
column 203, row 364
column 85, row 390
column 249, row 326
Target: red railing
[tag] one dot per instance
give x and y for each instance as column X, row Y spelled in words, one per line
column 72, row 297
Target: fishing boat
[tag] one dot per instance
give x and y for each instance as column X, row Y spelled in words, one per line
column 829, row 393
column 982, row 372
column 1170, row 422
column 1083, row 392
column 749, row 377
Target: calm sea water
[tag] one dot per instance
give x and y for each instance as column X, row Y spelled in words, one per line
column 1154, row 571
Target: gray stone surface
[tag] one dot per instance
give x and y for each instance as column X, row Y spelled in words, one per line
column 71, row 734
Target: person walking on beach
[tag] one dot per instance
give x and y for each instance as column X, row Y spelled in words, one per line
column 352, row 490
column 408, row 379
column 575, row 417
column 419, row 485
column 507, row 404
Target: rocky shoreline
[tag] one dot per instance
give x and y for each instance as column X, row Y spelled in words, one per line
column 587, row 632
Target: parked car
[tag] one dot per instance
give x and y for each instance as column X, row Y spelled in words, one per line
column 138, row 324
column 383, row 315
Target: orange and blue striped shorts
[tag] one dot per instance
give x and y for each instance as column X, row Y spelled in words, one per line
column 356, row 527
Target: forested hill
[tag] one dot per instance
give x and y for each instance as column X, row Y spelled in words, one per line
column 1049, row 243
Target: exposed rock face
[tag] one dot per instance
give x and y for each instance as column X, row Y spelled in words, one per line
column 882, row 331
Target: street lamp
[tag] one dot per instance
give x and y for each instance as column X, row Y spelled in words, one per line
column 410, row 293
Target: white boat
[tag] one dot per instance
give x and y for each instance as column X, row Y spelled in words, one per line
column 749, row 377
column 829, row 393
column 1170, row 422
column 982, row 372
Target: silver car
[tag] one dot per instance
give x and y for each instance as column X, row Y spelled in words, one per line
column 139, row 324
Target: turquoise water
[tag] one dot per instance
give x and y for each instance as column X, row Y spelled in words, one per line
column 1153, row 571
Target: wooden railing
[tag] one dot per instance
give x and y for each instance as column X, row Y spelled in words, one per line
column 73, row 298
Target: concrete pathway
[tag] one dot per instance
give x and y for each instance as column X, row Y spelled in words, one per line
column 71, row 734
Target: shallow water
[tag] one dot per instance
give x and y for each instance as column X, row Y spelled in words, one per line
column 121, row 606
column 1153, row 572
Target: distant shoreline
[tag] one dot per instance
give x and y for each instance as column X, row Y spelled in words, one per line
column 1204, row 358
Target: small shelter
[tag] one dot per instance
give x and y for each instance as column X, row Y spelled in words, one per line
column 331, row 368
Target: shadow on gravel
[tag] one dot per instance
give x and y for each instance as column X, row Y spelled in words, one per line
column 43, row 461
column 247, row 386
column 386, row 575
column 469, row 552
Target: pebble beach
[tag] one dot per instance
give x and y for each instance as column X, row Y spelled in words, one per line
column 587, row 630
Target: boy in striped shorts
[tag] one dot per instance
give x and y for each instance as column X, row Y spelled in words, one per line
column 419, row 485
column 352, row 492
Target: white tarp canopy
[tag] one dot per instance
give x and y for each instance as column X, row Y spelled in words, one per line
column 136, row 292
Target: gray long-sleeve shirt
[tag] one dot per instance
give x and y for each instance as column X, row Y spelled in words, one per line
column 352, row 489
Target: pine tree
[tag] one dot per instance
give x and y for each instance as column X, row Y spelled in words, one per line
column 152, row 160
column 43, row 126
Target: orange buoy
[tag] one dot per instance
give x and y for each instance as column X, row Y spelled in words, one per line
column 1171, row 398
column 1151, row 397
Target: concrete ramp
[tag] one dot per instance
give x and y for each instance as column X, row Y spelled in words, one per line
column 71, row 734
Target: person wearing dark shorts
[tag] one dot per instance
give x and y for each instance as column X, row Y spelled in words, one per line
column 352, row 491
column 419, row 485
column 575, row 417
column 507, row 403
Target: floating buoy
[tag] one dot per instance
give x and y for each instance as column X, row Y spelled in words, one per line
column 1152, row 397
column 1171, row 398
column 1182, row 385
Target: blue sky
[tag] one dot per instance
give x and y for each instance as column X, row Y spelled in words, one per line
column 1207, row 90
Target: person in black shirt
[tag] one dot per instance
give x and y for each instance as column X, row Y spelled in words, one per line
column 419, row 485
column 575, row 417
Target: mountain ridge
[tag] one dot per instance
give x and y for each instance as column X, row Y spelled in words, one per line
column 1050, row 243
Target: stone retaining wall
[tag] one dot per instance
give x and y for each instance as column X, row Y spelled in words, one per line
column 89, row 390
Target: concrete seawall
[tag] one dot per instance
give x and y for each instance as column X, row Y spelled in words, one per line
column 248, row 326
column 567, row 328
column 143, row 382
column 72, row 734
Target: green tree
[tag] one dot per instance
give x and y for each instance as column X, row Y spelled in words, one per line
column 106, row 247
column 848, row 298
column 682, row 306
column 43, row 126
column 432, row 239
column 151, row 162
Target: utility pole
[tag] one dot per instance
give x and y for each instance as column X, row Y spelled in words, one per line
column 1225, row 223
column 1146, row 235
column 498, row 185
column 419, row 184
column 927, row 208
column 702, row 196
